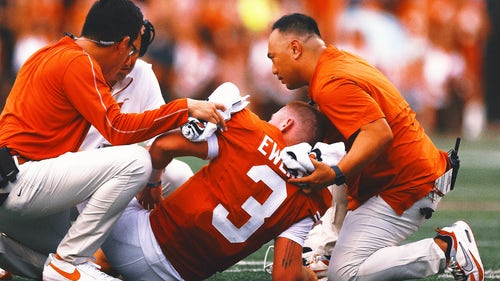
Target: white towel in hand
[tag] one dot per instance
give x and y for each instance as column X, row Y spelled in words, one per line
column 296, row 159
column 227, row 94
column 330, row 154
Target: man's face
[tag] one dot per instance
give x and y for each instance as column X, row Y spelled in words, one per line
column 281, row 55
column 127, row 65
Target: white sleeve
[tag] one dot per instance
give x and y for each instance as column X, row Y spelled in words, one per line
column 298, row 232
column 148, row 82
column 213, row 147
column 145, row 89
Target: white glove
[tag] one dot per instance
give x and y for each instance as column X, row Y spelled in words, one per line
column 196, row 130
column 227, row 94
column 296, row 159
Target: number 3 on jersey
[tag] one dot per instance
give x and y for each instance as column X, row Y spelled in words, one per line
column 258, row 212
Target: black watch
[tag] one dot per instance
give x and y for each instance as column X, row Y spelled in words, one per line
column 339, row 176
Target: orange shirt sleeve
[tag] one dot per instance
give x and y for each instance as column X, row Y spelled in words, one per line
column 59, row 92
column 95, row 103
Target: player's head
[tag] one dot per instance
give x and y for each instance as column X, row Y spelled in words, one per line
column 299, row 122
column 292, row 37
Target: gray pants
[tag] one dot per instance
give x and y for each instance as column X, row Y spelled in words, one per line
column 368, row 246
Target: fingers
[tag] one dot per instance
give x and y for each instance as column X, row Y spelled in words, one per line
column 148, row 205
column 208, row 111
column 220, row 120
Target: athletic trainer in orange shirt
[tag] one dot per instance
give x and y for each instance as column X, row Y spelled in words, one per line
column 59, row 92
column 390, row 168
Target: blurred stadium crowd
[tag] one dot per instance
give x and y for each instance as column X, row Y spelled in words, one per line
column 441, row 54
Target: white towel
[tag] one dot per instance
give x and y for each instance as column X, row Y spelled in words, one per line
column 296, row 159
column 227, row 94
column 330, row 154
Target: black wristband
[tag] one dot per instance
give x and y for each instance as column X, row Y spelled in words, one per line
column 153, row 184
column 339, row 176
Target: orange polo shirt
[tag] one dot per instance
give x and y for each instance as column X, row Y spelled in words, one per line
column 59, row 92
column 352, row 93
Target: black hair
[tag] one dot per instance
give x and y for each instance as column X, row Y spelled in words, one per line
column 112, row 20
column 297, row 23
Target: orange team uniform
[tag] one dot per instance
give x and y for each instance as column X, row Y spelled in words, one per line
column 234, row 205
column 351, row 93
column 61, row 89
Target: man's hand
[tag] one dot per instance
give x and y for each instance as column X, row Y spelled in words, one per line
column 321, row 177
column 208, row 111
column 150, row 197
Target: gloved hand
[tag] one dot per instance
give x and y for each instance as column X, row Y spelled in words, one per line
column 228, row 94
column 197, row 130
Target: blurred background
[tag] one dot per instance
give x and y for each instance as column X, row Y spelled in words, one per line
column 443, row 55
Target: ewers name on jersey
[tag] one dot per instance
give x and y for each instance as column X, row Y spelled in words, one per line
column 234, row 205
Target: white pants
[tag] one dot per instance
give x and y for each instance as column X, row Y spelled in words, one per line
column 368, row 245
column 36, row 211
column 322, row 238
column 175, row 174
column 133, row 251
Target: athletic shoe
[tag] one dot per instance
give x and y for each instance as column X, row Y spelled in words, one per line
column 59, row 270
column 5, row 275
column 317, row 263
column 465, row 263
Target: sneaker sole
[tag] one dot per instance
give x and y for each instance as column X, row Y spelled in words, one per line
column 464, row 233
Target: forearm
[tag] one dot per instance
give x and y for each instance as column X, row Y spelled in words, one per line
column 369, row 144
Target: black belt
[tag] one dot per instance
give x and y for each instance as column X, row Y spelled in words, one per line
column 3, row 197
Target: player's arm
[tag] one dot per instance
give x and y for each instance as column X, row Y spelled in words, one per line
column 287, row 264
column 173, row 144
column 163, row 150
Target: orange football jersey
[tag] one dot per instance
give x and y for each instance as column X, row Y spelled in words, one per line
column 235, row 204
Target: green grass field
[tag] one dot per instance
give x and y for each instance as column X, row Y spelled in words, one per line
column 476, row 199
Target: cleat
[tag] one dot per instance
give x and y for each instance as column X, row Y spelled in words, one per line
column 464, row 260
column 317, row 263
column 59, row 270
column 5, row 275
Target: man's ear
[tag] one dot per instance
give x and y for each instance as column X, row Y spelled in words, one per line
column 286, row 125
column 295, row 48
